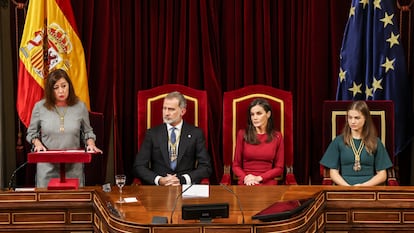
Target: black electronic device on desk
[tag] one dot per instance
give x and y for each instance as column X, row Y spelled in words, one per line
column 283, row 210
column 205, row 212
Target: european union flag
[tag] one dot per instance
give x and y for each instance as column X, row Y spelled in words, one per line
column 372, row 63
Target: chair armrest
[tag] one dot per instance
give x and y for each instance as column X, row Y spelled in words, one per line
column 391, row 179
column 327, row 181
column 290, row 179
column 136, row 181
column 205, row 181
column 226, row 179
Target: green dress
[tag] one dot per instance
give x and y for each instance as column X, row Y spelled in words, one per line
column 340, row 156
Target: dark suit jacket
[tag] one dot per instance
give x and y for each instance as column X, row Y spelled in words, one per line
column 153, row 157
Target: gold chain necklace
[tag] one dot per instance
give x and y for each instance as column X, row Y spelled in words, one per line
column 173, row 146
column 62, row 119
column 357, row 154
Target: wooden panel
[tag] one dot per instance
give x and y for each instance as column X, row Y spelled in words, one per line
column 350, row 196
column 396, row 196
column 63, row 196
column 81, row 217
column 313, row 228
column 38, row 217
column 4, row 218
column 321, row 221
column 376, row 216
column 408, row 217
column 18, row 197
column 337, row 216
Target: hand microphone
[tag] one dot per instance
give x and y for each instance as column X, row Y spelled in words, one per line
column 176, row 200
column 11, row 183
column 237, row 197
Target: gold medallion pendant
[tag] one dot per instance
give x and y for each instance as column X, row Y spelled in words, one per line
column 357, row 153
column 62, row 119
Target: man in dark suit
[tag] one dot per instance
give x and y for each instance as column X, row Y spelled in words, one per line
column 173, row 153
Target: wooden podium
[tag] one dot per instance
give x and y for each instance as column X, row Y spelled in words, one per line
column 62, row 157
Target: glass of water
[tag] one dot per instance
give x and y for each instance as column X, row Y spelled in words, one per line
column 120, row 182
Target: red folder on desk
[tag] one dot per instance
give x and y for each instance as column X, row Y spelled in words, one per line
column 62, row 157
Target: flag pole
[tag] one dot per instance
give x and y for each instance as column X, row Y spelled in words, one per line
column 45, row 44
column 20, row 153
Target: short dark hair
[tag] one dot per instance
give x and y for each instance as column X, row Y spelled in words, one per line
column 182, row 102
column 51, row 79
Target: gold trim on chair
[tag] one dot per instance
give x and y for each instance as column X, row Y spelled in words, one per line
column 188, row 98
column 380, row 113
column 265, row 96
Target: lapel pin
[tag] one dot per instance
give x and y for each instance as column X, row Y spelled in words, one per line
column 189, row 136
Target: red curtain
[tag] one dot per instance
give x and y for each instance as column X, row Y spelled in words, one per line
column 214, row 45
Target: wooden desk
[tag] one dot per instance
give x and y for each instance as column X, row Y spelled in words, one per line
column 159, row 201
column 47, row 211
column 336, row 209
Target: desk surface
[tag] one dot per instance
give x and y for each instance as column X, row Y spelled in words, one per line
column 160, row 201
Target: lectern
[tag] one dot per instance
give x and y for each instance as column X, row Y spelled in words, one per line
column 62, row 157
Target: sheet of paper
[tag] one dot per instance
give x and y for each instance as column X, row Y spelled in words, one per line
column 196, row 190
column 25, row 189
column 130, row 199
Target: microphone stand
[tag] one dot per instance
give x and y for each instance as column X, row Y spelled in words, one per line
column 176, row 199
column 237, row 197
column 13, row 175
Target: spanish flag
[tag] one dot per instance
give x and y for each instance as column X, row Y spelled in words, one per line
column 50, row 41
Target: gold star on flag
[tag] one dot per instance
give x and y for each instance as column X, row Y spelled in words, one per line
column 377, row 4
column 368, row 92
column 355, row 89
column 376, row 84
column 342, row 75
column 351, row 11
column 389, row 64
column 364, row 2
column 387, row 19
column 393, row 40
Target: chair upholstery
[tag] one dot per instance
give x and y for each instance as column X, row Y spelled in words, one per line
column 150, row 104
column 95, row 172
column 235, row 106
column 334, row 118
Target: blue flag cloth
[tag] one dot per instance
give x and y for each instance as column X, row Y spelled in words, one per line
column 372, row 63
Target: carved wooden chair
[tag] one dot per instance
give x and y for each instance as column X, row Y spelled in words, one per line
column 235, row 105
column 150, row 104
column 334, row 118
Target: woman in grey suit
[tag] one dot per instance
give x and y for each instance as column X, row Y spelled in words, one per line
column 58, row 121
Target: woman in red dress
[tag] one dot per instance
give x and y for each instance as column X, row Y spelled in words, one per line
column 259, row 152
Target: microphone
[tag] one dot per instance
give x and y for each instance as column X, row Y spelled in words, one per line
column 11, row 183
column 237, row 197
column 176, row 200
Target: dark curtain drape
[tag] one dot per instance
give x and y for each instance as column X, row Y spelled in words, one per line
column 216, row 45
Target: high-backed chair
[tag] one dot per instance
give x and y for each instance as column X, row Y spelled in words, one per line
column 150, row 104
column 95, row 172
column 334, row 119
column 235, row 106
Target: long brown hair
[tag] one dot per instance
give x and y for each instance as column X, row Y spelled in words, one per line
column 251, row 134
column 369, row 132
column 50, row 98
